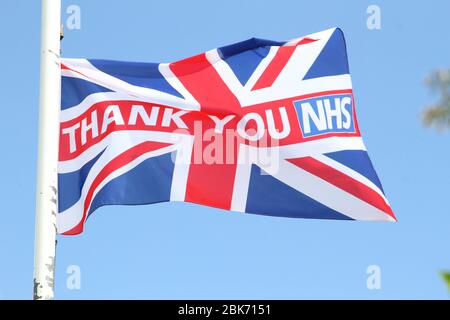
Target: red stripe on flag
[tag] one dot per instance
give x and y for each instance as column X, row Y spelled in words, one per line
column 306, row 40
column 344, row 182
column 277, row 64
column 118, row 162
column 64, row 67
column 209, row 184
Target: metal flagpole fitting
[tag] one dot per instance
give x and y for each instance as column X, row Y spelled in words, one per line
column 47, row 176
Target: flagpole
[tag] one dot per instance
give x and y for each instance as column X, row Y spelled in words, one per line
column 47, row 178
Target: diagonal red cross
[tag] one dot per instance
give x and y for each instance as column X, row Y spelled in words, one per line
column 212, row 184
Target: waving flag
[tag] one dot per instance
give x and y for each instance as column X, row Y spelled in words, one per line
column 259, row 127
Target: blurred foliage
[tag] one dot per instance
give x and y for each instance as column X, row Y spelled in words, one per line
column 446, row 277
column 438, row 115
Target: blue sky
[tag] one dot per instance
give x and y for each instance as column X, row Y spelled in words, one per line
column 177, row 250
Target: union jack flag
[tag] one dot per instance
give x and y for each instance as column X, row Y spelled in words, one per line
column 259, row 126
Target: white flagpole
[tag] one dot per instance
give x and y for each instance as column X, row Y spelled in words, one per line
column 47, row 178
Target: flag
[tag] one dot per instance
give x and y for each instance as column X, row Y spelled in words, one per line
column 260, row 126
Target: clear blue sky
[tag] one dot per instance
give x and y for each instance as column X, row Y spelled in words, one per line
column 177, row 250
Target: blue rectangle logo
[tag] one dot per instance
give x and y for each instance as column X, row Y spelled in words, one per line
column 325, row 114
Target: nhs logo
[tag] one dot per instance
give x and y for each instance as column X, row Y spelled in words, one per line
column 325, row 114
